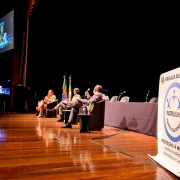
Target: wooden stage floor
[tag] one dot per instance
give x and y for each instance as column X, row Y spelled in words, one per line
column 38, row 148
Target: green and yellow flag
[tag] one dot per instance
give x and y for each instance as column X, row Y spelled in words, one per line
column 64, row 88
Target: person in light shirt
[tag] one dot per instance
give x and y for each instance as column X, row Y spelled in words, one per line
column 63, row 104
column 98, row 96
column 49, row 98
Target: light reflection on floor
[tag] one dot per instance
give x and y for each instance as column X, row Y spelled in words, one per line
column 80, row 153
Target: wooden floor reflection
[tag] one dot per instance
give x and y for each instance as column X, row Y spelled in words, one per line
column 38, row 148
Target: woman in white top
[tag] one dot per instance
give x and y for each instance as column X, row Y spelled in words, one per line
column 49, row 98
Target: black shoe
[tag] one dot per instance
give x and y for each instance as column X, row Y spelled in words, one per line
column 60, row 120
column 67, row 126
column 68, row 107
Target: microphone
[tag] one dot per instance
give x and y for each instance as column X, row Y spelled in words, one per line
column 147, row 95
column 85, row 92
column 120, row 95
column 123, row 92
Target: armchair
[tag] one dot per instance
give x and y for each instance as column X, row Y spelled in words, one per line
column 48, row 110
column 96, row 121
column 114, row 99
column 125, row 99
column 154, row 100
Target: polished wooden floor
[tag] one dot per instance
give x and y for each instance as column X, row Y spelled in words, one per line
column 38, row 148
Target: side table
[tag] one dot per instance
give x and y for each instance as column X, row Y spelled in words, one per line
column 84, row 119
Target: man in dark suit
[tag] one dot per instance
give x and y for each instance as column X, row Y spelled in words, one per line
column 98, row 96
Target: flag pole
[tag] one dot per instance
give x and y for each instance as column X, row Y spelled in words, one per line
column 70, row 88
column 64, row 88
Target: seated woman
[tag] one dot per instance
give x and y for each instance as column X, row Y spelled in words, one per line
column 49, row 98
column 63, row 104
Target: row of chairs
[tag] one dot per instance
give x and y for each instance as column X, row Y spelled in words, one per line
column 50, row 106
column 126, row 99
column 96, row 121
column 123, row 99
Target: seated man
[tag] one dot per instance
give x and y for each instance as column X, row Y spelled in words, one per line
column 98, row 96
column 62, row 104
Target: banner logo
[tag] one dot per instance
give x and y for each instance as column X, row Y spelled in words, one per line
column 171, row 112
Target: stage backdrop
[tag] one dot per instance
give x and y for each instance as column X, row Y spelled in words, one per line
column 169, row 122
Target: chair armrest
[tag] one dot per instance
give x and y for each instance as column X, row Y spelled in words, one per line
column 51, row 105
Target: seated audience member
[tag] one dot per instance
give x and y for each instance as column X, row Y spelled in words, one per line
column 98, row 96
column 62, row 105
column 28, row 98
column 31, row 100
column 35, row 99
column 49, row 98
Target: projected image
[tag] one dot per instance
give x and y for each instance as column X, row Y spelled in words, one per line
column 6, row 32
column 5, row 91
column 3, row 36
column 5, row 87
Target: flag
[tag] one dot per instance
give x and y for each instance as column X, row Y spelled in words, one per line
column 70, row 88
column 64, row 89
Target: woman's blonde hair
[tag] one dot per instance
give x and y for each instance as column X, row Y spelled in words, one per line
column 50, row 90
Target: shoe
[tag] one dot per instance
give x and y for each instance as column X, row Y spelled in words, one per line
column 68, row 107
column 60, row 120
column 67, row 126
column 51, row 109
column 39, row 116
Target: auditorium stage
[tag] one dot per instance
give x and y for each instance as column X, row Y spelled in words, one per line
column 38, row 148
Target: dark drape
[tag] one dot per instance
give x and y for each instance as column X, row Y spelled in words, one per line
column 22, row 12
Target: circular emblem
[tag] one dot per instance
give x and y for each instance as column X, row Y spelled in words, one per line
column 171, row 112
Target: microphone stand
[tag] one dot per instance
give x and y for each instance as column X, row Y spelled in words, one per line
column 147, row 96
column 119, row 96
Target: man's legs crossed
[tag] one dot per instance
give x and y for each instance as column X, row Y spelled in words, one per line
column 71, row 118
column 60, row 106
column 61, row 119
column 73, row 113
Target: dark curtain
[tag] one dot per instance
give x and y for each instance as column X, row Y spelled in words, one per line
column 22, row 12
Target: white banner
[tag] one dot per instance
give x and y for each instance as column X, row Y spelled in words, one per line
column 168, row 130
